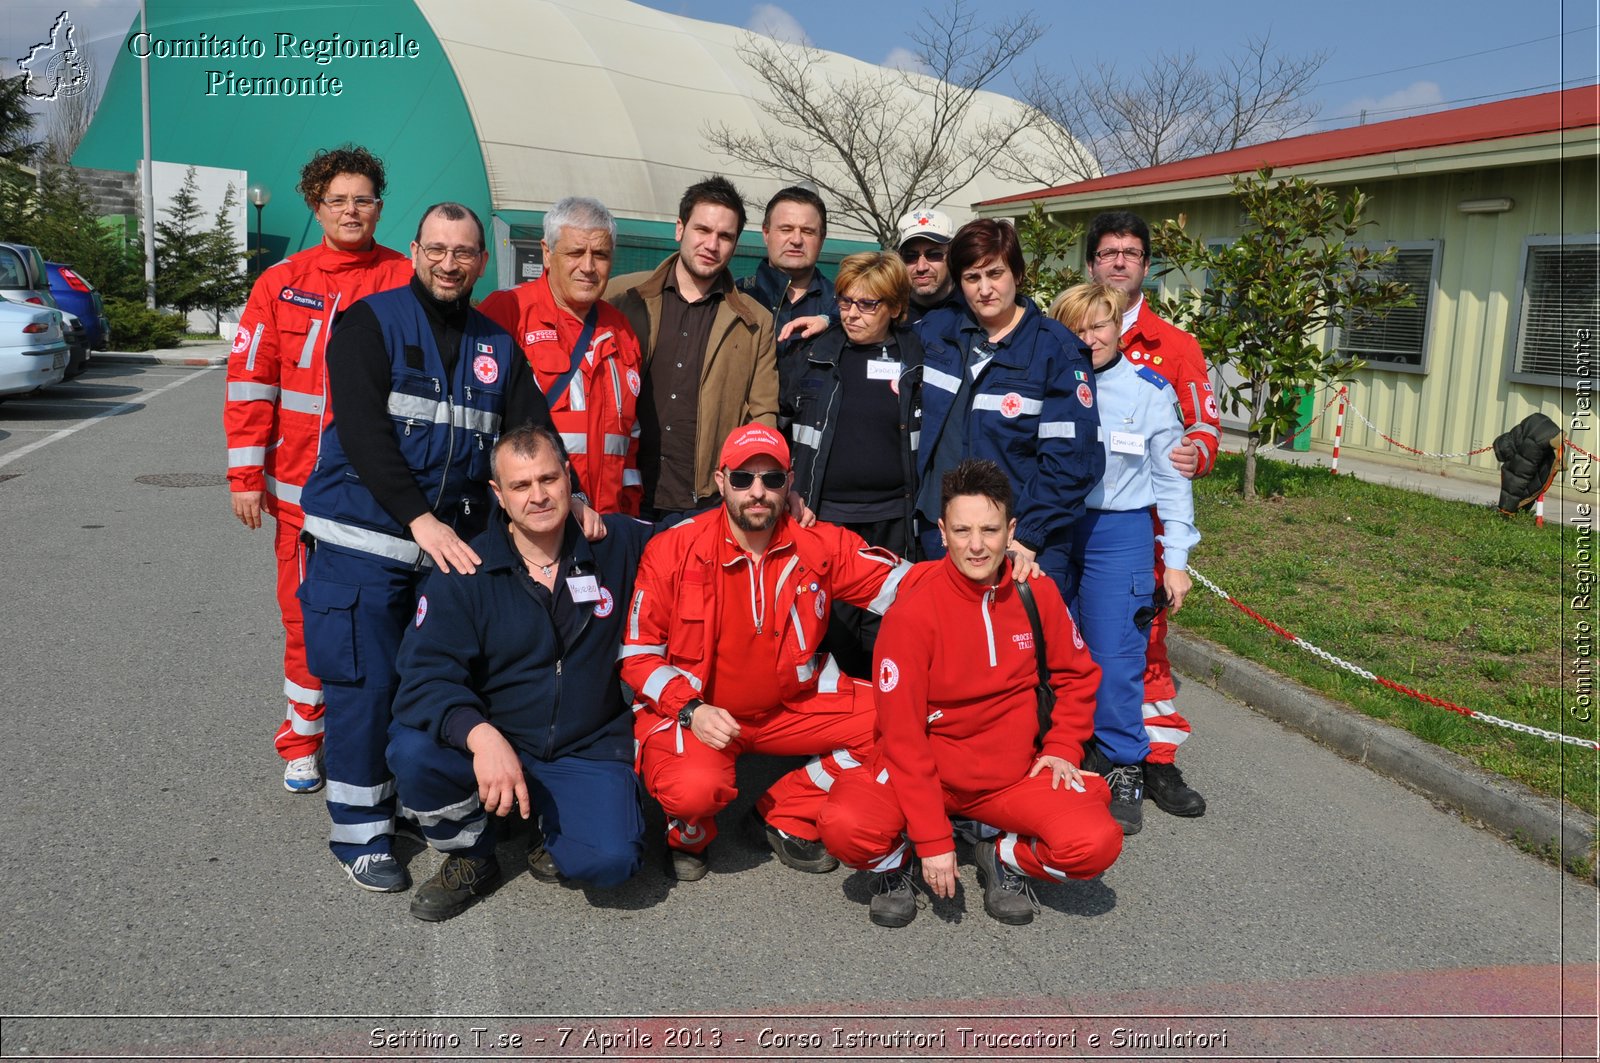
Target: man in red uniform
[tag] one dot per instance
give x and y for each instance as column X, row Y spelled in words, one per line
column 958, row 727
column 1119, row 255
column 593, row 392
column 277, row 401
column 721, row 647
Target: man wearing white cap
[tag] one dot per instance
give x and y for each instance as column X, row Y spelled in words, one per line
column 923, row 235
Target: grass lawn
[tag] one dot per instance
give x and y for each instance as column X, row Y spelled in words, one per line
column 1447, row 598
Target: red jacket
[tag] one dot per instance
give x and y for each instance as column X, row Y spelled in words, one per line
column 677, row 600
column 1176, row 355
column 277, row 399
column 956, row 672
column 596, row 415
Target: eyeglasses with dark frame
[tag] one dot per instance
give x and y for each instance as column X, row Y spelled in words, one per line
column 1111, row 254
column 744, row 479
column 464, row 255
column 932, row 254
column 866, row 306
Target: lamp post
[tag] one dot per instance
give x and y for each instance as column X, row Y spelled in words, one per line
column 260, row 195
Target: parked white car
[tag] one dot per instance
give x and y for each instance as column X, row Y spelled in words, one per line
column 33, row 348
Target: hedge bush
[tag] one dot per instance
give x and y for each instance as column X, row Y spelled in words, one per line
column 135, row 327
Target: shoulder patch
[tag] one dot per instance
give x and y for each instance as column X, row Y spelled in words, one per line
column 1151, row 376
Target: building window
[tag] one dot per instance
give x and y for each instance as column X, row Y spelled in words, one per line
column 1558, row 313
column 1397, row 339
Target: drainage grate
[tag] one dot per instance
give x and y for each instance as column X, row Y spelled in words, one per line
column 182, row 479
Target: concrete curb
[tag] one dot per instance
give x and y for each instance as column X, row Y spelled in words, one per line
column 1503, row 805
column 195, row 356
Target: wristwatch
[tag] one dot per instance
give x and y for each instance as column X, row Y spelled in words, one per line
column 686, row 714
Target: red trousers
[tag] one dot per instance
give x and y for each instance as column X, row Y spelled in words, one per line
column 1047, row 833
column 1163, row 724
column 300, row 734
column 693, row 782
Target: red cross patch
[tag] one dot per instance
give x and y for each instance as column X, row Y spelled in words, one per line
column 603, row 607
column 1011, row 405
column 486, row 369
column 888, row 675
column 1086, row 396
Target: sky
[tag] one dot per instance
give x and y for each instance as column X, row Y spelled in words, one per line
column 1387, row 58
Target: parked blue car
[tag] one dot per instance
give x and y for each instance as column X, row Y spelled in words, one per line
column 76, row 295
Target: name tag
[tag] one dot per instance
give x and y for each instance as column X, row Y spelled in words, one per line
column 1127, row 443
column 583, row 588
column 882, row 369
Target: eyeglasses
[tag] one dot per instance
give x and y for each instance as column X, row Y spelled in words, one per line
column 464, row 255
column 1111, row 254
column 932, row 254
column 866, row 306
column 744, row 479
column 362, row 204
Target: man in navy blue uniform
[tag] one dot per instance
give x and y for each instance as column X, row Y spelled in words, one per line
column 420, row 385
column 509, row 700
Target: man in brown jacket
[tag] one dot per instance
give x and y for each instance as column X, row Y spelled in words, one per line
column 710, row 363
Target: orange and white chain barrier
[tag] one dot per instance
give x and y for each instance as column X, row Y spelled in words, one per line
column 1316, row 651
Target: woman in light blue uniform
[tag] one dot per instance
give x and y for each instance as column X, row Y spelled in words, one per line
column 1113, row 554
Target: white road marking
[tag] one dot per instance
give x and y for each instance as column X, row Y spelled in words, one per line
column 108, row 412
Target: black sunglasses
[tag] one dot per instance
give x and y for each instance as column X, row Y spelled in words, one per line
column 1145, row 615
column 743, row 479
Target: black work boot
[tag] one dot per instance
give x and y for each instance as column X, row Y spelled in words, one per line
column 1006, row 893
column 457, row 883
column 1163, row 784
column 802, row 854
column 894, row 896
column 1127, row 796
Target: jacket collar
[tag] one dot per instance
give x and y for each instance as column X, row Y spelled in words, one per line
column 738, row 302
column 498, row 551
column 1008, row 351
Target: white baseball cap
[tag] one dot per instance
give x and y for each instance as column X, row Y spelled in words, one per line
column 928, row 224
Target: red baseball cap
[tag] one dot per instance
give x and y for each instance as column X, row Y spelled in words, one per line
column 753, row 440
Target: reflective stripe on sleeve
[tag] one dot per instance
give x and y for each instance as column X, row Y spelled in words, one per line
column 641, row 651
column 250, row 391
column 886, row 593
column 631, row 478
column 806, row 436
column 255, row 342
column 301, row 695
column 302, row 402
column 658, row 682
column 1057, row 430
column 241, row 457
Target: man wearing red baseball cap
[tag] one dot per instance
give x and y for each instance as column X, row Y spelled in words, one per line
column 721, row 648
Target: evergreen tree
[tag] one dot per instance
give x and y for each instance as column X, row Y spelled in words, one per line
column 16, row 122
column 182, row 251
column 227, row 285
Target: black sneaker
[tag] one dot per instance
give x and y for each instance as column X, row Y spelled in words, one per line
column 1007, row 896
column 686, row 866
column 541, row 865
column 802, row 854
column 1165, row 786
column 459, row 881
column 894, row 896
column 1127, row 796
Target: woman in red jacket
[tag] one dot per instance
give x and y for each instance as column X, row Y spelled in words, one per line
column 958, row 727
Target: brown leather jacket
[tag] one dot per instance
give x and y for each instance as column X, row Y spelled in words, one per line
column 739, row 379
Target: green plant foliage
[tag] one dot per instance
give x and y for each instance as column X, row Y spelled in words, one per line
column 1047, row 248
column 1295, row 272
column 135, row 327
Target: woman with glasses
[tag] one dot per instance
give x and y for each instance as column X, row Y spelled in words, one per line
column 1114, row 548
column 849, row 408
column 1004, row 382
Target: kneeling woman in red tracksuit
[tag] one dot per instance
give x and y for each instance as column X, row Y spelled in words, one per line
column 958, row 727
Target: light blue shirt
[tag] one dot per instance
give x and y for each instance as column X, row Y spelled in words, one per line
column 1140, row 424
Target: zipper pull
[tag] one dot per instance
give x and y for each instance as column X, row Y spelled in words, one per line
column 558, row 666
column 436, row 385
column 466, row 507
column 409, row 425
column 469, row 393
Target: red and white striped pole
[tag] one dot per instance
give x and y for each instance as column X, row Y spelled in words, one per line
column 1338, row 430
column 1538, row 513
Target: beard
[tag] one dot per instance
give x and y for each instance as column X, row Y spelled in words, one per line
column 746, row 521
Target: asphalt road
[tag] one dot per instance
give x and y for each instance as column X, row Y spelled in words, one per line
column 165, row 896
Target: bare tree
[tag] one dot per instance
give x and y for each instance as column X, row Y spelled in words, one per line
column 71, row 113
column 1169, row 108
column 877, row 144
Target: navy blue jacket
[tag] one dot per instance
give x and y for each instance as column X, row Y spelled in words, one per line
column 484, row 645
column 769, row 286
column 445, row 424
column 1032, row 412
